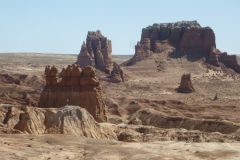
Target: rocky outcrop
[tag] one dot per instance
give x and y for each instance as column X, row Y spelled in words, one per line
column 142, row 51
column 117, row 74
column 155, row 118
column 197, row 42
column 186, row 84
column 229, row 61
column 213, row 57
column 12, row 78
column 188, row 38
column 71, row 120
column 84, row 58
column 73, row 86
column 96, row 52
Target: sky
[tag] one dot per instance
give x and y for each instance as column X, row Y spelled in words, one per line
column 60, row 26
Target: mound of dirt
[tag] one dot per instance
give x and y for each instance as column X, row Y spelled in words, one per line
column 71, row 120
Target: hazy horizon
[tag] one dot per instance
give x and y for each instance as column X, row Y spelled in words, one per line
column 61, row 26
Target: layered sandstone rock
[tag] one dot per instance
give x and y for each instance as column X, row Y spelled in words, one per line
column 117, row 74
column 71, row 120
column 73, row 86
column 97, row 52
column 186, row 84
column 156, row 118
column 188, row 38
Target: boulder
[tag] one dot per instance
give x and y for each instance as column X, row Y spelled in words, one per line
column 73, row 86
column 97, row 52
column 186, row 84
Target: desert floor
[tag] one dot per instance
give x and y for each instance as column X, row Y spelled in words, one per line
column 148, row 85
column 57, row 147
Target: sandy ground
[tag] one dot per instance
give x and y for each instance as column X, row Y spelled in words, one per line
column 150, row 81
column 59, row 147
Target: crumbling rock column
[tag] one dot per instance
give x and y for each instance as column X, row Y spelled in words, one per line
column 186, row 84
column 117, row 74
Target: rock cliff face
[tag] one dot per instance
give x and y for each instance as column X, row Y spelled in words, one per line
column 73, row 86
column 96, row 52
column 188, row 38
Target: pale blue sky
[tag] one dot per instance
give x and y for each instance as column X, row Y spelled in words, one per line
column 60, row 26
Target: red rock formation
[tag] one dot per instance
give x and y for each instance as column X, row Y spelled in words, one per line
column 142, row 51
column 197, row 42
column 117, row 74
column 73, row 86
column 84, row 58
column 213, row 57
column 98, row 48
column 229, row 61
column 51, row 75
column 188, row 38
column 186, row 84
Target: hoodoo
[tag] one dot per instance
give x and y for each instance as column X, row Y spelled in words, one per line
column 73, row 86
column 186, row 84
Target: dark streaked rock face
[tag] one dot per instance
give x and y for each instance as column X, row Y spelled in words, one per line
column 73, row 86
column 229, row 61
column 188, row 38
column 171, row 32
column 97, row 52
column 198, row 41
